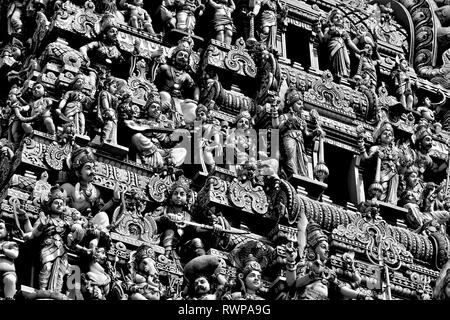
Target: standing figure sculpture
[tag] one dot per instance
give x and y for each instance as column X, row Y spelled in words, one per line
column 107, row 111
column 83, row 195
column 97, row 281
column 268, row 20
column 186, row 12
column 175, row 83
column 222, row 21
column 389, row 161
column 9, row 250
column 315, row 281
column 338, row 41
column 73, row 104
column 40, row 116
column 293, row 131
column 53, row 230
column 139, row 17
column 403, row 83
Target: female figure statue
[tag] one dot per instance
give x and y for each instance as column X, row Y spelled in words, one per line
column 71, row 106
column 9, row 250
column 52, row 228
column 337, row 39
column 389, row 158
column 268, row 20
column 107, row 111
column 402, row 82
column 293, row 130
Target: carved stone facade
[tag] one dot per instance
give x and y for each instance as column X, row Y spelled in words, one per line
column 224, row 150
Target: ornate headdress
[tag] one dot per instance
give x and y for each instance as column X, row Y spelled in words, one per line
column 292, row 96
column 315, row 234
column 137, row 194
column 80, row 157
column 201, row 107
column 422, row 131
column 107, row 22
column 56, row 192
column 250, row 255
column 203, row 266
column 180, row 183
column 243, row 114
column 251, row 265
column 143, row 252
column 385, row 125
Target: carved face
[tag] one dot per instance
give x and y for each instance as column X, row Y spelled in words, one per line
column 100, row 255
column 87, row 172
column 427, row 102
column 112, row 88
column 3, row 230
column 38, row 91
column 369, row 49
column 253, row 280
column 12, row 96
column 387, row 136
column 201, row 285
column 404, row 65
column 427, row 143
column 441, row 194
column 182, row 58
column 179, row 197
column 57, row 206
column 297, row 107
column 337, row 19
column 154, row 110
column 147, row 266
column 201, row 116
column 322, row 251
column 78, row 84
column 111, row 34
column 138, row 3
column 243, row 123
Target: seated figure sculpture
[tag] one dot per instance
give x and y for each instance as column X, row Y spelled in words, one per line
column 179, row 93
column 143, row 282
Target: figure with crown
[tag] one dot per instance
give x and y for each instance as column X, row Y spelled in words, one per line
column 53, row 229
column 83, row 195
column 143, row 282
column 155, row 148
column 293, row 131
column 388, row 161
column 250, row 257
column 338, row 41
column 312, row 277
column 74, row 103
column 403, row 83
column 178, row 90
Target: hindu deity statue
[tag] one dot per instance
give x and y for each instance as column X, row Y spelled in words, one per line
column 167, row 15
column 53, row 229
column 74, row 103
column 204, row 278
column 143, row 282
column 155, row 148
column 368, row 62
column 241, row 141
column 187, row 10
column 83, row 195
column 9, row 250
column 179, row 93
column 222, row 21
column 97, row 281
column 107, row 111
column 250, row 258
column 314, row 280
column 139, row 17
column 403, row 83
column 105, row 53
column 14, row 106
column 268, row 11
column 210, row 141
column 388, row 161
column 40, row 112
column 293, row 131
column 338, row 42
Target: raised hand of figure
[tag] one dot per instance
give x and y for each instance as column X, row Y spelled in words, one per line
column 116, row 192
column 291, row 252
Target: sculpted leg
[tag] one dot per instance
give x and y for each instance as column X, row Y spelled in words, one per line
column 44, row 275
column 9, row 282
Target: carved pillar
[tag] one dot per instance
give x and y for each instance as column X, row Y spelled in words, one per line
column 313, row 49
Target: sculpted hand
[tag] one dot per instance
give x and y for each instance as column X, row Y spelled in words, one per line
column 116, row 192
column 291, row 253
